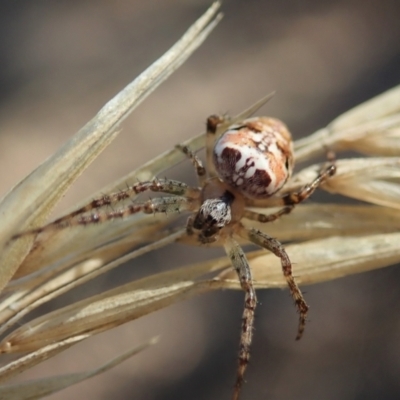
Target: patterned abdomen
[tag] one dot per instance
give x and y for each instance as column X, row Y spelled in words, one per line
column 255, row 156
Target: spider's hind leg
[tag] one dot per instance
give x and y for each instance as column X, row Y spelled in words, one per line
column 297, row 197
column 289, row 200
column 241, row 265
column 267, row 242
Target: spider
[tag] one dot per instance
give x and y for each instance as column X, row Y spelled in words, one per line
column 246, row 166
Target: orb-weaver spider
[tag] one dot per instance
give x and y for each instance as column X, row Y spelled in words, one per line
column 246, row 166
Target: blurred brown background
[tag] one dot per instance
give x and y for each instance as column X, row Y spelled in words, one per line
column 62, row 60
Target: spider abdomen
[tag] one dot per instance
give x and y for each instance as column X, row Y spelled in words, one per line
column 255, row 156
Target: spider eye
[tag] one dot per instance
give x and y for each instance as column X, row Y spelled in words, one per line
column 255, row 156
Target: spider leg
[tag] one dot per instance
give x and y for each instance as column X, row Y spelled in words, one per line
column 241, row 265
column 162, row 185
column 267, row 242
column 212, row 126
column 166, row 205
column 198, row 165
column 255, row 216
column 308, row 190
column 291, row 199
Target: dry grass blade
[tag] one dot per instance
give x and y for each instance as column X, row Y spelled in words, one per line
column 30, row 360
column 372, row 128
column 312, row 221
column 35, row 292
column 43, row 387
column 374, row 180
column 109, row 309
column 384, row 105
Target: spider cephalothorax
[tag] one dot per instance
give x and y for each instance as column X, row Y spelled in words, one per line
column 213, row 215
column 220, row 207
column 253, row 159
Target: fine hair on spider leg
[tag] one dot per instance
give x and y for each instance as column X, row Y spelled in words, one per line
column 246, row 166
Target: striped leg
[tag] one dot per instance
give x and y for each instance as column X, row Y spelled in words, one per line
column 267, row 242
column 166, row 205
column 200, row 170
column 241, row 265
column 291, row 199
column 308, row 190
column 77, row 217
column 255, row 216
column 212, row 126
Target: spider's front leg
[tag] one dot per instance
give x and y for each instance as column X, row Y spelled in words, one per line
column 241, row 265
column 167, row 204
column 267, row 242
column 212, row 126
column 198, row 165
